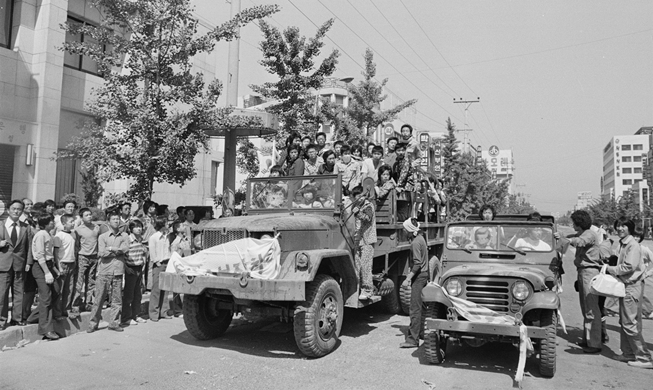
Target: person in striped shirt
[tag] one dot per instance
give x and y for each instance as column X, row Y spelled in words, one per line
column 134, row 262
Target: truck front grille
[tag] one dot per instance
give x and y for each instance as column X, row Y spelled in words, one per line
column 493, row 294
column 216, row 237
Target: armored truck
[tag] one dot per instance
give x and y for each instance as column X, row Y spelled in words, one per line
column 508, row 265
column 315, row 228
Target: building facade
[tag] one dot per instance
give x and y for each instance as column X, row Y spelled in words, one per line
column 43, row 92
column 623, row 159
column 500, row 162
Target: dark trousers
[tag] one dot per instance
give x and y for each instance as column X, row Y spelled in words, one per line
column 159, row 304
column 86, row 276
column 29, row 293
column 416, row 307
column 107, row 286
column 589, row 306
column 132, row 294
column 48, row 297
column 13, row 280
column 67, row 282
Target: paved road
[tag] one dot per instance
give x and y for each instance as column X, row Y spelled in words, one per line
column 263, row 356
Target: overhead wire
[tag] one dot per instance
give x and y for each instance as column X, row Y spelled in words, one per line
column 380, row 55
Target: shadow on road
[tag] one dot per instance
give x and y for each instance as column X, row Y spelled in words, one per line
column 265, row 338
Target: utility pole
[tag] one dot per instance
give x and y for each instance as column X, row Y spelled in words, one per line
column 466, row 128
column 230, row 138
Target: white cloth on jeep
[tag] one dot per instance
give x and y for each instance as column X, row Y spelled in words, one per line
column 261, row 258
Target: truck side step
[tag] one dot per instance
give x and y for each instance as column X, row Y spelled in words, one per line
column 367, row 302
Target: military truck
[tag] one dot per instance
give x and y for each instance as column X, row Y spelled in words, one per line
column 508, row 265
column 315, row 229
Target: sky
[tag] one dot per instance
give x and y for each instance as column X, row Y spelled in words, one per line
column 556, row 79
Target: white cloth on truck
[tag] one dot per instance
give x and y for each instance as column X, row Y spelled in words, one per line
column 261, row 258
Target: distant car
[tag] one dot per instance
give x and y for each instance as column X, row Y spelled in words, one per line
column 507, row 265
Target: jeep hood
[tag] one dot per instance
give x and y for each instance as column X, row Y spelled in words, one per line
column 270, row 222
column 533, row 275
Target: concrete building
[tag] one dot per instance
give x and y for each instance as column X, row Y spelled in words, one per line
column 623, row 160
column 584, row 200
column 42, row 96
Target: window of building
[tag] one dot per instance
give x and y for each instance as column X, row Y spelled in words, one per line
column 637, row 159
column 625, row 147
column 6, row 11
column 627, row 170
column 627, row 182
column 638, row 147
column 626, row 159
column 76, row 61
column 637, row 170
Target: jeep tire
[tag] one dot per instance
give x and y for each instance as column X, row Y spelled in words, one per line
column 435, row 346
column 318, row 320
column 202, row 317
column 548, row 321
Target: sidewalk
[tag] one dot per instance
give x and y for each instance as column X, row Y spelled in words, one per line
column 14, row 335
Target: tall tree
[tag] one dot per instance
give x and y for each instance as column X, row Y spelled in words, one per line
column 363, row 115
column 155, row 109
column 468, row 183
column 516, row 204
column 292, row 57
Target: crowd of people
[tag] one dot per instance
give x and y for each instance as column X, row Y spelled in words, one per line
column 72, row 261
column 389, row 168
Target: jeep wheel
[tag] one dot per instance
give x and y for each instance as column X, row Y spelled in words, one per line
column 435, row 346
column 549, row 321
column 318, row 320
column 202, row 317
column 390, row 302
column 404, row 296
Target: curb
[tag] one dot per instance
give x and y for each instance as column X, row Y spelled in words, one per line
column 18, row 336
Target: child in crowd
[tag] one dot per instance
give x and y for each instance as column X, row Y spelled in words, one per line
column 134, row 262
column 65, row 255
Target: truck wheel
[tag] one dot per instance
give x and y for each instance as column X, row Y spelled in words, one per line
column 404, row 296
column 202, row 317
column 390, row 302
column 435, row 346
column 549, row 321
column 318, row 320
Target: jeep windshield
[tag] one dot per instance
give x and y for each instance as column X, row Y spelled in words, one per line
column 500, row 237
column 302, row 192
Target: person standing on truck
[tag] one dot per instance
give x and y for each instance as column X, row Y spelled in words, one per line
column 365, row 238
column 403, row 175
column 417, row 278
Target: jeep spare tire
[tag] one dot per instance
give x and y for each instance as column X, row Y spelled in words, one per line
column 318, row 320
column 202, row 317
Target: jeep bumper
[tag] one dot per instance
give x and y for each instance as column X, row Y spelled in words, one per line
column 248, row 288
column 482, row 328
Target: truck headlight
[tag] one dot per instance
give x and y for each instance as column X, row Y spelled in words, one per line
column 520, row 291
column 454, row 287
column 197, row 241
column 301, row 261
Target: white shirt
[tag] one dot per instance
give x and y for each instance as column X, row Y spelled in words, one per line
column 8, row 224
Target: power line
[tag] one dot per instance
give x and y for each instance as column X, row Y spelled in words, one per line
column 436, row 48
column 348, row 55
column 382, row 57
column 411, row 48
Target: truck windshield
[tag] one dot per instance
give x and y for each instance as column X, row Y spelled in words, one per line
column 495, row 237
column 307, row 192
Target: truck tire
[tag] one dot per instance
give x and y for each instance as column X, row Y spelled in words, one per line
column 318, row 320
column 404, row 296
column 202, row 317
column 435, row 346
column 549, row 321
column 390, row 302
